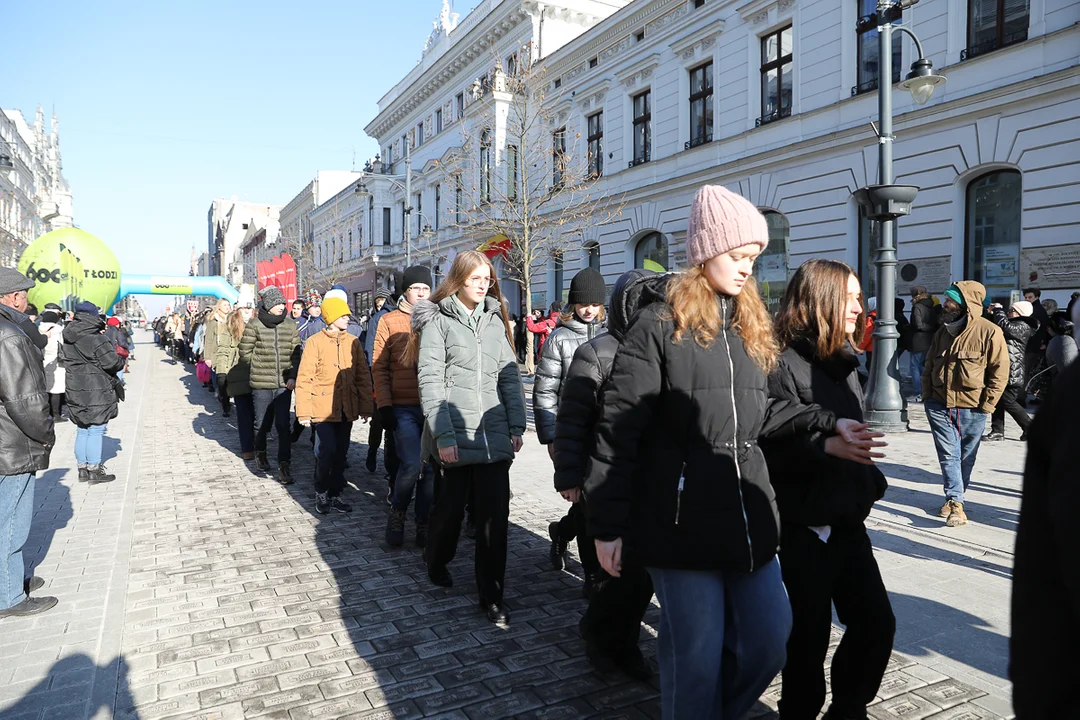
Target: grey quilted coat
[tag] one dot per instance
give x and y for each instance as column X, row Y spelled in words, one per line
column 554, row 364
column 470, row 385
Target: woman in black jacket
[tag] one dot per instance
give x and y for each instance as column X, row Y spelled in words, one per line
column 678, row 483
column 1019, row 326
column 91, row 387
column 824, row 495
column 923, row 326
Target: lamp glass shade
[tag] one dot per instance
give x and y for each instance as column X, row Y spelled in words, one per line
column 921, row 92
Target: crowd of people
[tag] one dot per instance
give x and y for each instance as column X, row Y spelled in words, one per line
column 712, row 454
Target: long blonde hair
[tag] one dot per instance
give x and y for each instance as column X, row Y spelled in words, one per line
column 236, row 323
column 693, row 307
column 464, row 264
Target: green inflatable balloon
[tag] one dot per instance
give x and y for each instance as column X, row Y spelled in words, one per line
column 70, row 265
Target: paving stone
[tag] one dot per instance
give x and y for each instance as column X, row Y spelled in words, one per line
column 312, row 675
column 948, row 693
column 905, row 707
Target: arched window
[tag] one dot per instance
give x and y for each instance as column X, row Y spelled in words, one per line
column 771, row 268
column 559, row 295
column 651, row 252
column 592, row 252
column 992, row 233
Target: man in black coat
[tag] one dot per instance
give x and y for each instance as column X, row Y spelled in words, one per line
column 13, row 304
column 26, row 438
column 923, row 326
column 1044, row 661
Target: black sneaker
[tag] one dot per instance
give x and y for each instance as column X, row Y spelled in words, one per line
column 97, row 475
column 84, row 475
column 557, row 554
column 339, row 505
column 994, row 437
column 30, row 606
column 395, row 528
column 421, row 535
column 496, row 613
column 285, row 473
column 261, row 463
column 440, row 576
column 322, row 503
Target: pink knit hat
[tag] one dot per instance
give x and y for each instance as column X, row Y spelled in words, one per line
column 720, row 221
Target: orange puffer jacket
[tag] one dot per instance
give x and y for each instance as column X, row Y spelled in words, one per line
column 333, row 383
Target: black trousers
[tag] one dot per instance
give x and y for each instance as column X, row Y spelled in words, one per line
column 56, row 402
column 375, row 438
column 333, row 447
column 272, row 410
column 573, row 526
column 818, row 575
column 223, row 392
column 1009, row 403
column 490, row 512
column 613, row 618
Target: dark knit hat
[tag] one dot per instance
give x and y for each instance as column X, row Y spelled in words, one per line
column 50, row 316
column 87, row 307
column 270, row 296
column 416, row 275
column 587, row 288
column 382, row 293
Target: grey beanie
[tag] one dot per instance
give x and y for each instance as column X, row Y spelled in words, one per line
column 270, row 296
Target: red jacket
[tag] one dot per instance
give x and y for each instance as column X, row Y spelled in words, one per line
column 542, row 328
column 868, row 339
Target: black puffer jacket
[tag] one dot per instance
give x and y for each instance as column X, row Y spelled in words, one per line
column 813, row 488
column 554, row 364
column 24, row 323
column 575, row 423
column 1018, row 333
column 26, row 430
column 923, row 324
column 91, row 364
column 677, row 471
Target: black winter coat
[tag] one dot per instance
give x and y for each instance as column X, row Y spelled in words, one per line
column 923, row 324
column 26, row 429
column 575, row 422
column 91, row 363
column 24, row 323
column 1043, row 661
column 813, row 488
column 677, row 471
column 1018, row 333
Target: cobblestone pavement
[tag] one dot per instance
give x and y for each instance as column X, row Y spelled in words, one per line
column 191, row 588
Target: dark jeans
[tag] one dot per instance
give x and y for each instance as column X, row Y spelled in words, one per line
column 613, row 619
column 412, row 472
column 245, row 422
column 490, row 511
column 272, row 409
column 332, row 445
column 375, row 438
column 957, row 434
column 573, row 526
column 56, row 403
column 818, row 575
column 222, row 392
column 1010, row 403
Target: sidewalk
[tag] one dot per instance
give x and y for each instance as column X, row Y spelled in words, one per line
column 190, row 588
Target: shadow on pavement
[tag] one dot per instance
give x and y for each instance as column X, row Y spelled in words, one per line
column 71, row 677
column 992, row 515
column 52, row 511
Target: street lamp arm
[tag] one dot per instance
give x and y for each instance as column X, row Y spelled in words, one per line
column 914, row 38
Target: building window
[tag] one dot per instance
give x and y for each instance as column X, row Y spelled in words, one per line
column 701, row 105
column 371, row 219
column 558, row 83
column 699, row 3
column 405, row 146
column 771, row 266
column 642, row 128
column 592, row 253
column 596, row 145
column 419, row 212
column 485, row 166
column 459, row 105
column 512, row 172
column 511, row 65
column 404, row 221
column 992, row 233
column 869, row 242
column 438, row 204
column 352, row 249
column 558, row 156
column 386, row 227
column 438, row 121
column 419, row 134
column 389, row 155
column 459, row 199
column 776, row 76
column 994, row 24
column 594, row 62
column 867, row 54
column 560, row 276
column 651, row 253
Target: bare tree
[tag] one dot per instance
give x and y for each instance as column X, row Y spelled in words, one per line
column 323, row 256
column 525, row 173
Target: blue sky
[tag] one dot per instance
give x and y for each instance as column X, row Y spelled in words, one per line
column 164, row 106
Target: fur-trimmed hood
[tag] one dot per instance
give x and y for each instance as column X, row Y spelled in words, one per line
column 425, row 311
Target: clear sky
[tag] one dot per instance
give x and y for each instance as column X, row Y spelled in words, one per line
column 164, row 106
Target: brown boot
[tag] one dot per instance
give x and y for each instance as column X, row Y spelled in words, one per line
column 957, row 517
column 945, row 509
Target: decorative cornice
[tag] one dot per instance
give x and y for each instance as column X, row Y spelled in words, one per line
column 642, row 66
column 705, row 33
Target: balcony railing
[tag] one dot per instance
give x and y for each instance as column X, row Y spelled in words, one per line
column 992, row 45
column 698, row 140
column 773, row 117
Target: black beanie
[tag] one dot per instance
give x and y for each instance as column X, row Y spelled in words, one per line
column 587, row 288
column 416, row 275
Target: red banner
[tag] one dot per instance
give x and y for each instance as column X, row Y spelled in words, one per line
column 289, row 288
column 262, row 269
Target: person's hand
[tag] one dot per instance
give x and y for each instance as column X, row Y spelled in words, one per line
column 306, row 422
column 850, row 429
column 389, row 420
column 571, row 496
column 551, row 451
column 290, row 384
column 609, row 553
column 860, row 448
column 448, row 454
column 516, row 442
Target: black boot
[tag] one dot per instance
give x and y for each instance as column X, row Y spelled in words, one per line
column 83, row 474
column 557, row 554
column 285, row 473
column 96, row 475
column 261, row 463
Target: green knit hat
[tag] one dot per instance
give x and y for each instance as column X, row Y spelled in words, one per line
column 954, row 294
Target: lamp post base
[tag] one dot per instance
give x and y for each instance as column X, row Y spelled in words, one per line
column 887, row 421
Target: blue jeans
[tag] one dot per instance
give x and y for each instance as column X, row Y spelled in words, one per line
column 412, row 472
column 16, row 511
column 957, row 434
column 916, row 362
column 723, row 639
column 88, row 445
column 331, row 451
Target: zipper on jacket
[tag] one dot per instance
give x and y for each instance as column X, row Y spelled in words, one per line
column 479, row 390
column 735, row 432
column 678, row 498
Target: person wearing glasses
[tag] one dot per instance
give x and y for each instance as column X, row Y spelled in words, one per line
column 474, row 418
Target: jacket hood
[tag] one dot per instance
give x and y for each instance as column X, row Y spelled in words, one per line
column 425, row 311
column 974, row 293
column 634, row 290
column 82, row 326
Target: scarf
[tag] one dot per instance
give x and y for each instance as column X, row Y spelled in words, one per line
column 405, row 306
column 269, row 319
